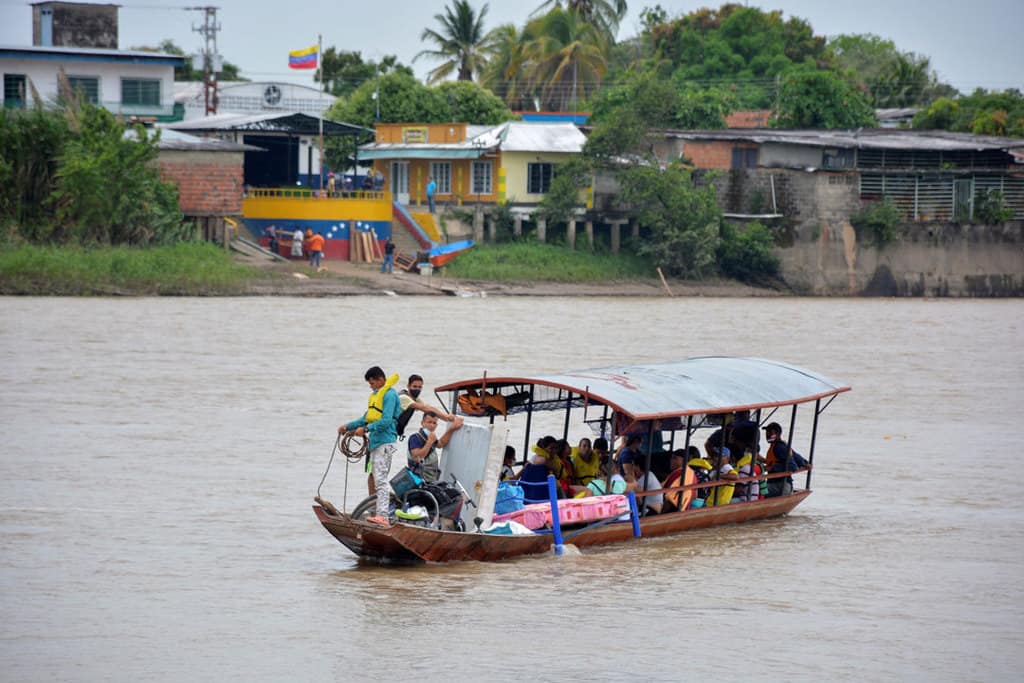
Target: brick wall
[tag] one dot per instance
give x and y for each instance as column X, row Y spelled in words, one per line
column 209, row 183
column 713, row 153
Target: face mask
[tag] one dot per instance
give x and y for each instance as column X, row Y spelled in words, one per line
column 415, row 393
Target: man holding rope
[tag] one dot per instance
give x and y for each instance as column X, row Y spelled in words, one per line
column 378, row 425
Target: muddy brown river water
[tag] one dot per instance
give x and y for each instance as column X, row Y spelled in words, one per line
column 160, row 456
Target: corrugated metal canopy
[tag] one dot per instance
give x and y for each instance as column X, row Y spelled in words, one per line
column 292, row 123
column 695, row 386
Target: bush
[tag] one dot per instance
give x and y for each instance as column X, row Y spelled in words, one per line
column 879, row 220
column 746, row 252
column 990, row 207
column 74, row 176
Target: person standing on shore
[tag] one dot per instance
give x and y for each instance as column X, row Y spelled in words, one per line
column 316, row 249
column 379, row 425
column 388, row 266
column 431, row 191
column 297, row 243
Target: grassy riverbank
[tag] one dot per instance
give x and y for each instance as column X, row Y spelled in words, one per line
column 534, row 262
column 185, row 269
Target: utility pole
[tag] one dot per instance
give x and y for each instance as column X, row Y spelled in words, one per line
column 212, row 62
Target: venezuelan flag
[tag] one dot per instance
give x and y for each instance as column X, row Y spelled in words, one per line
column 303, row 59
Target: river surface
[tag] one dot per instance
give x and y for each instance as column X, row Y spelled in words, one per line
column 160, row 457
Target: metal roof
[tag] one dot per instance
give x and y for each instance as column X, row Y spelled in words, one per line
column 88, row 54
column 870, row 138
column 514, row 136
column 177, row 141
column 527, row 136
column 697, row 386
column 293, row 123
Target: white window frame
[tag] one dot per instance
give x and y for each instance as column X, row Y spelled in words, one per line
column 484, row 183
column 442, row 174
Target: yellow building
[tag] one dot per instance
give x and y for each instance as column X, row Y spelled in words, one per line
column 512, row 162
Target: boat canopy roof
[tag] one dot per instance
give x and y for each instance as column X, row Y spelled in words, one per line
column 696, row 386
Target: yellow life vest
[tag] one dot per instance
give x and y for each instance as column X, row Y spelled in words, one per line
column 699, row 462
column 375, row 406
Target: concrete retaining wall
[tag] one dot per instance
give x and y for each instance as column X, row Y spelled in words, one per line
column 821, row 252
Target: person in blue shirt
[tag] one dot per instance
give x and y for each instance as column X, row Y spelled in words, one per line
column 431, row 191
column 381, row 432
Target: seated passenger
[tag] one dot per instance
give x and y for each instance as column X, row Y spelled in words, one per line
column 646, row 481
column 603, row 456
column 749, row 490
column 628, row 454
column 722, row 495
column 780, row 458
column 585, row 463
column 743, row 434
column 616, row 484
column 534, row 477
column 701, row 468
column 423, row 458
column 680, row 475
column 508, row 464
column 561, row 466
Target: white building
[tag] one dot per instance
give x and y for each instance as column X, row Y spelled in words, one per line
column 252, row 97
column 125, row 82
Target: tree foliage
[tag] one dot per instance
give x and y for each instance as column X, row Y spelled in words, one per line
column 403, row 99
column 343, row 71
column 684, row 220
column 745, row 47
column 460, row 42
column 74, row 176
column 891, row 78
column 982, row 112
column 812, row 98
column 604, row 15
column 563, row 197
column 626, row 117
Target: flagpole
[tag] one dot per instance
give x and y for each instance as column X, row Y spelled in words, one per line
column 320, row 116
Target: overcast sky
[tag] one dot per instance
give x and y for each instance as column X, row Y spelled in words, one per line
column 970, row 44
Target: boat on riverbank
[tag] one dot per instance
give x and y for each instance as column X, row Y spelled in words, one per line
column 678, row 399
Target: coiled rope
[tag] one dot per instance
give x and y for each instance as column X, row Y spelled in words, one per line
column 354, row 448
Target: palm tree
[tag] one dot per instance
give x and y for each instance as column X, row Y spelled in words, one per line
column 604, row 14
column 505, row 73
column 568, row 57
column 461, row 42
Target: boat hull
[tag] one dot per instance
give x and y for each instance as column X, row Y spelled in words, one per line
column 409, row 543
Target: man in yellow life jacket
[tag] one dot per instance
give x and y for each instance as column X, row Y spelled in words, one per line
column 378, row 424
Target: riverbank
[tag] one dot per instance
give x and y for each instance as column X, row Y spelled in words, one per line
column 206, row 270
column 340, row 278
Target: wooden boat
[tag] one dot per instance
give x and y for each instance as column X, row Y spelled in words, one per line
column 445, row 253
column 680, row 398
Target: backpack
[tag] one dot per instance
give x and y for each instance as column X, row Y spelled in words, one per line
column 403, row 420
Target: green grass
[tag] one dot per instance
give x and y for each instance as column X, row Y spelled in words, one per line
column 182, row 269
column 535, row 262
